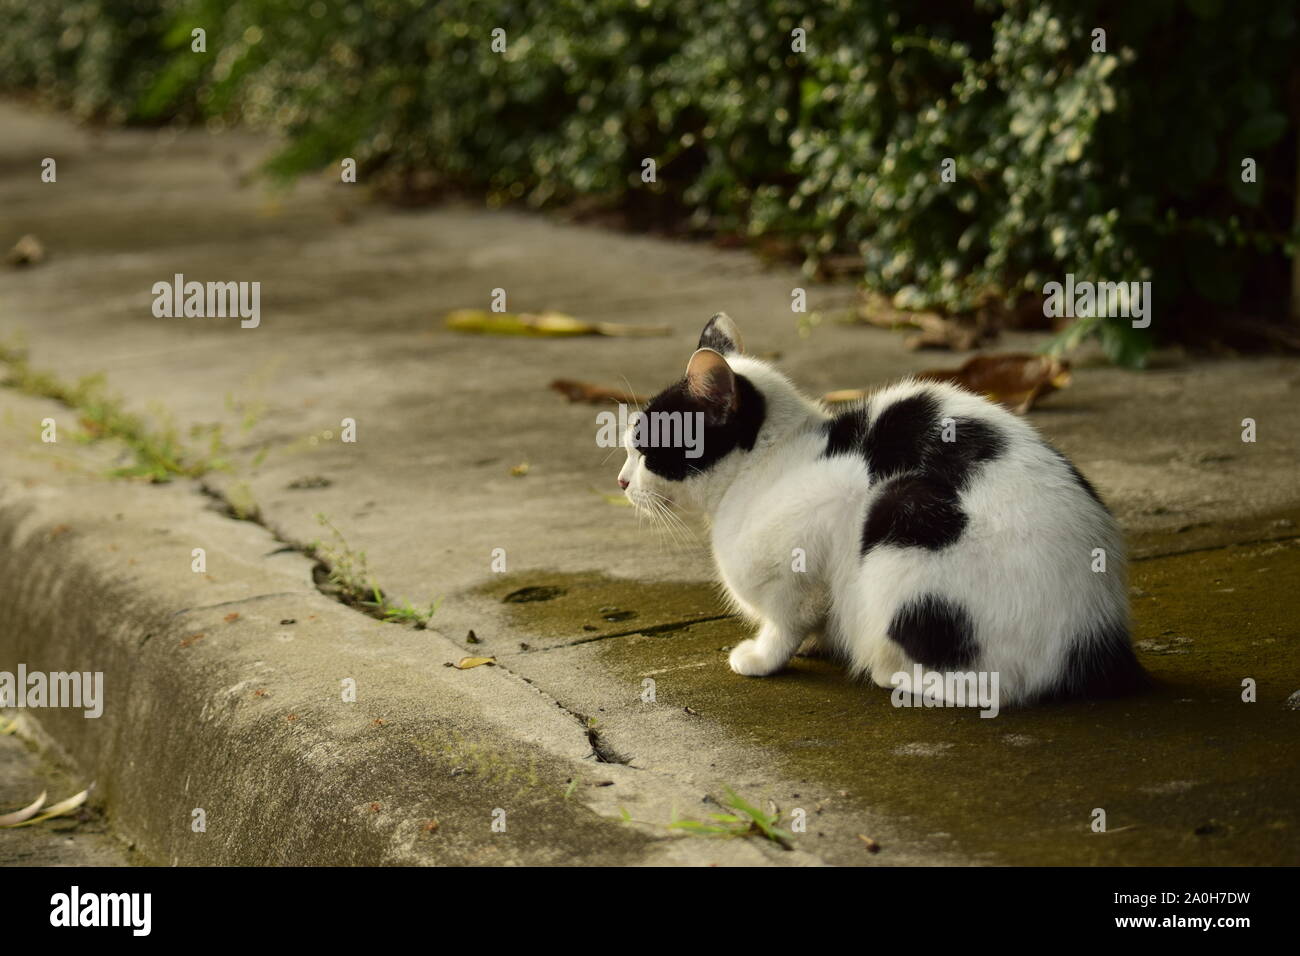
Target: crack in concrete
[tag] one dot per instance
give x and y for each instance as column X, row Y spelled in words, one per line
column 648, row 631
column 1217, row 547
column 601, row 749
column 256, row 597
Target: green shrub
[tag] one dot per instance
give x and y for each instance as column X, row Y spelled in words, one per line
column 1116, row 165
column 95, row 57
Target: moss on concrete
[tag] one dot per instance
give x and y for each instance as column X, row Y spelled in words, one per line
column 1188, row 773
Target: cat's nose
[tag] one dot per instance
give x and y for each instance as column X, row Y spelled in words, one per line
column 622, row 484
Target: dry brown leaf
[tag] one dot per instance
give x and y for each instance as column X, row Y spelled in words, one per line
column 1017, row 380
column 576, row 391
column 465, row 663
column 935, row 331
column 1014, row 379
column 940, row 332
column 541, row 323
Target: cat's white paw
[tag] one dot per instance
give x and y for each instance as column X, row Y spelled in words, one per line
column 746, row 659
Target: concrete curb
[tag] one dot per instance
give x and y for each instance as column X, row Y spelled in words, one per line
column 223, row 694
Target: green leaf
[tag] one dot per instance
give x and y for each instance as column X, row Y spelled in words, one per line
column 1124, row 344
column 1261, row 131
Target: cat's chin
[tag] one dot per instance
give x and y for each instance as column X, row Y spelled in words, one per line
column 650, row 500
column 657, row 504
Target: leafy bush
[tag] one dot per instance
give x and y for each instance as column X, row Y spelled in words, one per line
column 96, row 57
column 1123, row 164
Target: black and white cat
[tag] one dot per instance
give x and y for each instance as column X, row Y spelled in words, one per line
column 924, row 526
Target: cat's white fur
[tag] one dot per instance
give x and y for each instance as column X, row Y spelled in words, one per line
column 1022, row 568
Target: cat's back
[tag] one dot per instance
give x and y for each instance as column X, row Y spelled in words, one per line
column 952, row 438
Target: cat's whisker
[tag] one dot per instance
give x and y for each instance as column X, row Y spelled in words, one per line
column 679, row 533
column 674, row 526
column 652, row 509
column 679, row 530
column 635, row 406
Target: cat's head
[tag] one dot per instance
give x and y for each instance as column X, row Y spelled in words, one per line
column 693, row 436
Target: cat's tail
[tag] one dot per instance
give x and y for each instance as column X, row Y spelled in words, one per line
column 1100, row 663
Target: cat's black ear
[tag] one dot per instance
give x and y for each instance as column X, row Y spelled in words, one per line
column 721, row 335
column 710, row 381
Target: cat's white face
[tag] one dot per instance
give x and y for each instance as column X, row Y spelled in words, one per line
column 633, row 477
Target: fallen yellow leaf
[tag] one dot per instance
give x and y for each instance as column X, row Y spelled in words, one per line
column 465, row 663
column 58, row 810
column 18, row 816
column 541, row 323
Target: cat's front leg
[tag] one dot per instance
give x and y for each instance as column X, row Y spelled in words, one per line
column 767, row 653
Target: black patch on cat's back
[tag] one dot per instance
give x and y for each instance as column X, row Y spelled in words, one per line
column 845, row 433
column 740, row 430
column 1100, row 663
column 913, row 511
column 923, row 475
column 907, row 436
column 901, row 437
column 936, row 633
column 975, row 442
